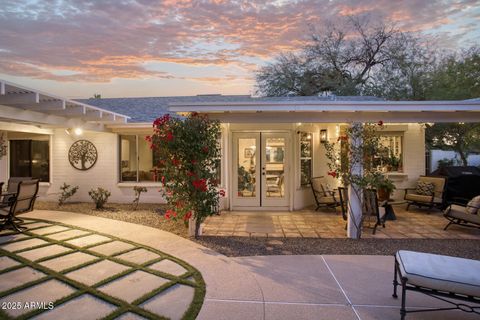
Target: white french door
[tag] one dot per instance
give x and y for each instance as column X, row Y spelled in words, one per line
column 260, row 172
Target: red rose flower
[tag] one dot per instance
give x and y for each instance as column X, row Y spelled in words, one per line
column 205, row 149
column 188, row 215
column 332, row 173
column 170, row 213
column 200, row 184
column 193, row 161
column 222, row 193
column 169, row 136
column 191, row 174
column 176, row 162
column 380, row 123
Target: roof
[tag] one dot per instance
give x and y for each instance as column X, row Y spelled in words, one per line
column 21, row 104
column 147, row 109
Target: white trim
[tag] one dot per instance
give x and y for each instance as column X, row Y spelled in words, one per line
column 131, row 184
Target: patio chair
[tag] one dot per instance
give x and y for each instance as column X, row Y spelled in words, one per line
column 372, row 210
column 441, row 277
column 12, row 187
column 23, row 201
column 275, row 186
column 428, row 193
column 464, row 215
column 323, row 196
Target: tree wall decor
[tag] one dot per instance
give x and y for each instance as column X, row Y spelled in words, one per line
column 82, row 155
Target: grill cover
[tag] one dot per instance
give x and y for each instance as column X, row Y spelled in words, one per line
column 462, row 182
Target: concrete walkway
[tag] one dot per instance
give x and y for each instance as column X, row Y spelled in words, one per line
column 274, row 287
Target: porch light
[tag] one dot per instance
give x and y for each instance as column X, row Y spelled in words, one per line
column 78, row 131
column 323, row 135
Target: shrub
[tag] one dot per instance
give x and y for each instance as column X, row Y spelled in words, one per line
column 99, row 196
column 188, row 155
column 67, row 192
column 138, row 191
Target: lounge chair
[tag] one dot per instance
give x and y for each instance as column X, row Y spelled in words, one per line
column 275, row 186
column 323, row 196
column 423, row 195
column 440, row 277
column 465, row 215
column 23, row 201
column 372, row 210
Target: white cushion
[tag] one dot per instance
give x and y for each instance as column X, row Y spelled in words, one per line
column 439, row 272
column 473, row 205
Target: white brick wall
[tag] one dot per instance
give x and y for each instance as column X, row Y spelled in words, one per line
column 103, row 174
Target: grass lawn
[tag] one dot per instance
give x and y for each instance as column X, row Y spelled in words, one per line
column 148, row 214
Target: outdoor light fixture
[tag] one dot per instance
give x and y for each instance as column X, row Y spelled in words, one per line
column 323, row 135
column 78, row 131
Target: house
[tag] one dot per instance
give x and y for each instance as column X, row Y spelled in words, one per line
column 270, row 146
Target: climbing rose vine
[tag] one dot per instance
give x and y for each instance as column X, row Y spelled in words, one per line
column 188, row 154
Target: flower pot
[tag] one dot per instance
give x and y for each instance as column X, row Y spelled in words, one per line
column 383, row 194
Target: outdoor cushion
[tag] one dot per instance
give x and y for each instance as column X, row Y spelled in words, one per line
column 439, row 272
column 459, row 212
column 425, row 188
column 421, row 198
column 473, row 205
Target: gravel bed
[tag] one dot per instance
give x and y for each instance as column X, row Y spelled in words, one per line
column 244, row 246
column 147, row 214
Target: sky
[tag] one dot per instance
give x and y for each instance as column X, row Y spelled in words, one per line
column 134, row 48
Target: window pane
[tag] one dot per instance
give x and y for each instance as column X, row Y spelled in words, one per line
column 146, row 170
column 390, row 158
column 275, row 167
column 246, row 167
column 305, row 158
column 40, row 160
column 20, row 156
column 128, row 158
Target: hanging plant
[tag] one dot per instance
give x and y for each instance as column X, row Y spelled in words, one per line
column 3, row 146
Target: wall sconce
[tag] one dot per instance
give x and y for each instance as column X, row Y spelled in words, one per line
column 323, row 136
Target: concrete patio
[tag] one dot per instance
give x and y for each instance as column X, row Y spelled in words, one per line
column 413, row 224
column 273, row 287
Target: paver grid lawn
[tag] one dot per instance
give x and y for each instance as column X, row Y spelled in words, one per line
column 75, row 263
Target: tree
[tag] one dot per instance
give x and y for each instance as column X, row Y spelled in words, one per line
column 462, row 138
column 338, row 59
column 190, row 154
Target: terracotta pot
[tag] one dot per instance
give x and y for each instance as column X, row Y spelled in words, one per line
column 383, row 194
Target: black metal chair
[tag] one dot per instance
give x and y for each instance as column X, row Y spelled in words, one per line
column 323, row 197
column 21, row 202
column 372, row 210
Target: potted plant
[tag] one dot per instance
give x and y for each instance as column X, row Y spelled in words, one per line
column 383, row 185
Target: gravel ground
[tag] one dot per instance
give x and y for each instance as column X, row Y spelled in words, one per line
column 243, row 246
column 152, row 215
column 146, row 214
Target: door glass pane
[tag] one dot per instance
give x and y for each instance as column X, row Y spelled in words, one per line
column 40, row 160
column 246, row 167
column 20, row 158
column 275, row 167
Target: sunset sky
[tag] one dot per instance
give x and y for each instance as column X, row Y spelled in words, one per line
column 122, row 48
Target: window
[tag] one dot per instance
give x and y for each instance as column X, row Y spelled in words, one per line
column 306, row 143
column 391, row 158
column 137, row 161
column 30, row 158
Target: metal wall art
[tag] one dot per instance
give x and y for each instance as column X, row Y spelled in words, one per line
column 82, row 155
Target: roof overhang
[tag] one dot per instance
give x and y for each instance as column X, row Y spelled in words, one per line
column 24, row 105
column 337, row 111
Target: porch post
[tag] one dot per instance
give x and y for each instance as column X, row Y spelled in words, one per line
column 354, row 192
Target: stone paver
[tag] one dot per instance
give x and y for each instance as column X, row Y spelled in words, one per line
column 43, row 252
column 415, row 224
column 138, row 256
column 45, row 292
column 112, row 247
column 83, row 307
column 96, row 272
column 18, row 277
column 130, row 316
column 12, row 237
column 6, row 262
column 66, row 234
column 68, row 261
column 88, row 240
column 171, row 303
column 133, row 285
column 51, row 229
column 23, row 244
column 36, row 225
column 168, row 266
